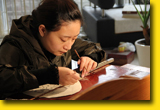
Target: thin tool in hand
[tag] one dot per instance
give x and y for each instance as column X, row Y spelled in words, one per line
column 79, row 57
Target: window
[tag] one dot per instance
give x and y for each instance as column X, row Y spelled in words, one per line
column 13, row 9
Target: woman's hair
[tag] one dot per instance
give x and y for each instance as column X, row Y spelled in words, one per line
column 52, row 13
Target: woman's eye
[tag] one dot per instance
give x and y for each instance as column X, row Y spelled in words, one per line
column 63, row 40
column 74, row 39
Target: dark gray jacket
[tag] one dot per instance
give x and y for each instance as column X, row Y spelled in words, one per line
column 23, row 60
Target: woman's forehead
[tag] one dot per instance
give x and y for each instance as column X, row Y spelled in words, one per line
column 70, row 29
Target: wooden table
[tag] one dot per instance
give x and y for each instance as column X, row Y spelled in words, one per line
column 110, row 84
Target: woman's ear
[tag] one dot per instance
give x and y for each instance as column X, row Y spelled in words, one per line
column 42, row 30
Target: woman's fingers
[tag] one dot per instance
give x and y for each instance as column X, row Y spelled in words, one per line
column 94, row 65
column 90, row 64
column 74, row 78
column 86, row 65
column 67, row 76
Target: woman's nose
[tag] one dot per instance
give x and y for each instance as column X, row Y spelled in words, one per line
column 68, row 46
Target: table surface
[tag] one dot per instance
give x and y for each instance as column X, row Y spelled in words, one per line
column 107, row 73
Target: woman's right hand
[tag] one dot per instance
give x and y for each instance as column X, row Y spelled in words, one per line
column 67, row 76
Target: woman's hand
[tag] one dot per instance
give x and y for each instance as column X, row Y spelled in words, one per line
column 67, row 76
column 86, row 65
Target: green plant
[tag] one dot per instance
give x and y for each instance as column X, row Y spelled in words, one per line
column 144, row 16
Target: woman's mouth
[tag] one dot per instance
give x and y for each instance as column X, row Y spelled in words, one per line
column 62, row 52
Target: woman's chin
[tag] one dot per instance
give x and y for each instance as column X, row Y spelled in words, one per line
column 58, row 54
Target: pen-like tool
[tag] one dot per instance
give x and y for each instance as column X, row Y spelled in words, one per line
column 79, row 57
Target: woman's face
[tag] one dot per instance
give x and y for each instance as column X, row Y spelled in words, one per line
column 61, row 41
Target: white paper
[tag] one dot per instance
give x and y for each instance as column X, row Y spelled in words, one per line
column 136, row 74
column 63, row 91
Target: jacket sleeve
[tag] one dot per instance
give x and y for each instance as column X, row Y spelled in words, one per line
column 88, row 48
column 14, row 78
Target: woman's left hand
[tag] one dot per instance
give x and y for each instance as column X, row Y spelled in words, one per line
column 86, row 65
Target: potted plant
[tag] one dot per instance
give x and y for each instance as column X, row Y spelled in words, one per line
column 143, row 45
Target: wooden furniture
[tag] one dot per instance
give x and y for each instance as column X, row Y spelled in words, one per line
column 118, row 89
column 109, row 83
column 125, row 88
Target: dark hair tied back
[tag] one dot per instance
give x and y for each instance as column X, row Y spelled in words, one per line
column 52, row 13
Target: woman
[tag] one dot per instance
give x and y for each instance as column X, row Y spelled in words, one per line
column 39, row 49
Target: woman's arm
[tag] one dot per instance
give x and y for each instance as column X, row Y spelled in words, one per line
column 14, row 78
